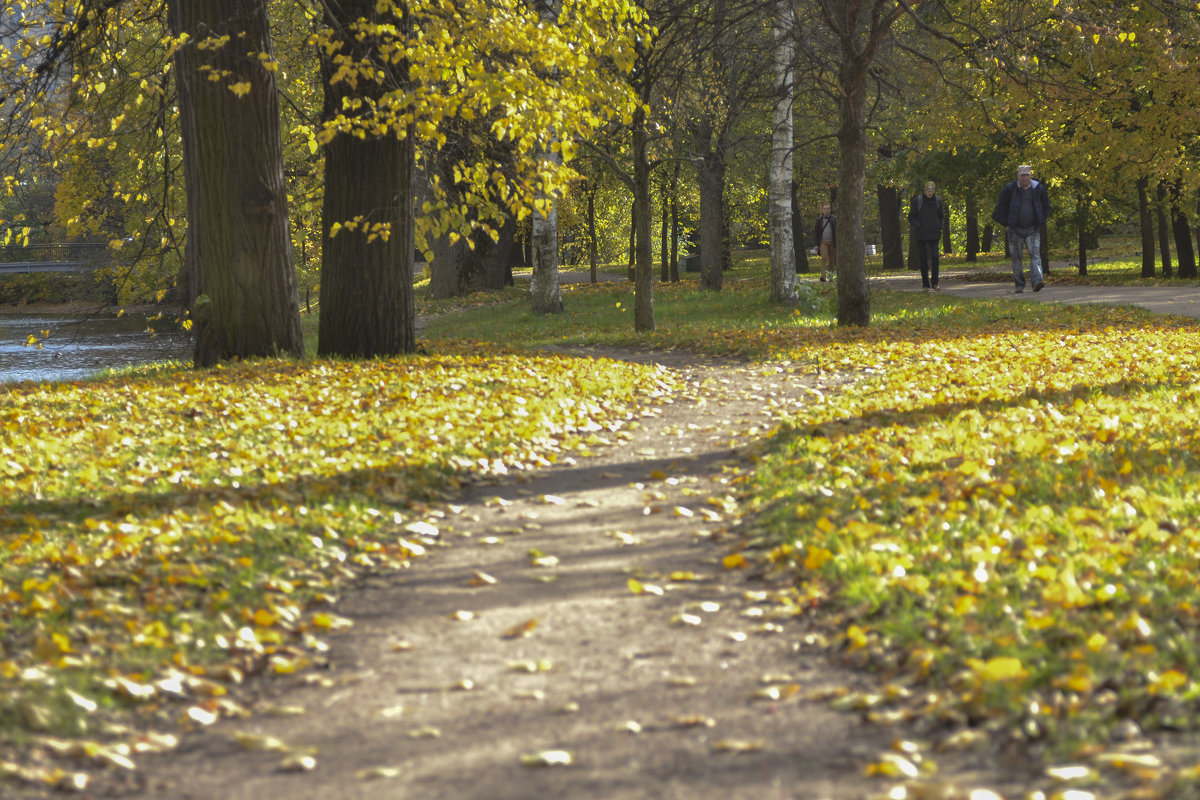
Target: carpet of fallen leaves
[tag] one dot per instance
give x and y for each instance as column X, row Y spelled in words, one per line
column 1004, row 525
column 166, row 535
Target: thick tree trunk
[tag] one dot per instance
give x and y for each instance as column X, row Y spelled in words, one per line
column 366, row 281
column 779, row 188
column 854, row 297
column 1164, row 233
column 799, row 235
column 242, row 280
column 711, row 179
column 989, row 231
column 972, row 228
column 889, row 227
column 1183, row 242
column 447, row 267
column 543, row 283
column 498, row 255
column 1147, row 228
column 643, row 300
column 947, row 247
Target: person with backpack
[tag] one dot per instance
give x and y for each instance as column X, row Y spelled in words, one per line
column 926, row 216
column 1022, row 209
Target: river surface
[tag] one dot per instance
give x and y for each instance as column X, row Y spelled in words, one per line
column 80, row 345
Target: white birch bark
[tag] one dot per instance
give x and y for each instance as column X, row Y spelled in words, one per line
column 543, row 284
column 779, row 191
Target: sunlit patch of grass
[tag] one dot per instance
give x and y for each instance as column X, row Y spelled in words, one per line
column 164, row 532
column 1003, row 508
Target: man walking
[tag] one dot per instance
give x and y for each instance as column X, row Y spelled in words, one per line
column 1022, row 209
column 825, row 237
column 926, row 215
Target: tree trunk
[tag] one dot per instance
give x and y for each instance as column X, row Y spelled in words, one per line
column 947, row 247
column 1183, row 242
column 889, row 227
column 543, row 281
column 632, row 239
column 497, row 256
column 366, row 275
column 242, row 279
column 593, row 257
column 854, row 297
column 989, row 231
column 643, row 300
column 664, row 269
column 711, row 179
column 1081, row 215
column 799, row 236
column 1147, row 228
column 1164, row 233
column 972, row 228
column 779, row 190
column 675, row 224
column 446, row 267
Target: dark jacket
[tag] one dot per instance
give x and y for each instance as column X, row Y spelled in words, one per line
column 926, row 215
column 820, row 228
column 1009, row 204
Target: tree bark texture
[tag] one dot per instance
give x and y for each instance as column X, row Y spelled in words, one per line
column 799, row 234
column 242, row 279
column 889, row 227
column 543, row 282
column 1183, row 242
column 710, row 174
column 1164, row 232
column 779, row 189
column 1147, row 228
column 366, row 283
column 643, row 291
column 972, row 228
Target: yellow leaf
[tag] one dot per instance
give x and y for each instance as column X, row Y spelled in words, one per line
column 817, row 556
column 734, row 561
column 1000, row 668
column 241, row 89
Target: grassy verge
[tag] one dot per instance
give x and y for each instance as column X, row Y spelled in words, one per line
column 1000, row 509
column 166, row 533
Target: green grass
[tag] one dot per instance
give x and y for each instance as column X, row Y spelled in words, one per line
column 999, row 507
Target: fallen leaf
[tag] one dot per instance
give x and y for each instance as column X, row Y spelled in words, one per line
column 548, row 758
column 521, row 630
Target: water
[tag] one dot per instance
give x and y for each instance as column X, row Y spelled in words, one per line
column 80, row 345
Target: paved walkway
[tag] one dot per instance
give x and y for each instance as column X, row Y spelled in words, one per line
column 1182, row 300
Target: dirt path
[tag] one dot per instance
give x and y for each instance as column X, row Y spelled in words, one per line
column 522, row 636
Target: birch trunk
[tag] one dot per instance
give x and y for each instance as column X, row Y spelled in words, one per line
column 543, row 283
column 783, row 256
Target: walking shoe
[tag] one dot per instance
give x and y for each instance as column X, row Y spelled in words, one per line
column 937, row 288
column 924, row 288
column 1018, row 291
column 1037, row 287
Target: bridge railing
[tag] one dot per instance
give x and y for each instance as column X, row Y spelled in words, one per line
column 53, row 257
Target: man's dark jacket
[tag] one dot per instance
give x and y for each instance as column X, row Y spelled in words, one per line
column 1009, row 204
column 926, row 215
